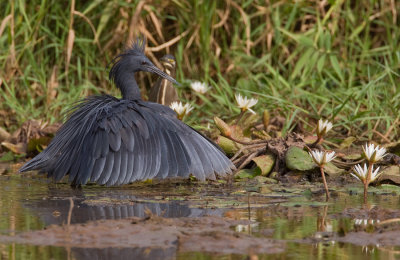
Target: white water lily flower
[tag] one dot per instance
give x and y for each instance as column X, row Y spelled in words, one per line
column 245, row 103
column 362, row 172
column 321, row 157
column 181, row 109
column 372, row 153
column 323, row 127
column 199, row 87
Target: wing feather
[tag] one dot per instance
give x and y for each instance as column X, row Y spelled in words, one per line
column 108, row 167
column 112, row 142
column 115, row 173
column 98, row 168
column 124, row 165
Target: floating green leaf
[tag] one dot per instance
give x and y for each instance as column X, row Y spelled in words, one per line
column 298, row 159
column 265, row 163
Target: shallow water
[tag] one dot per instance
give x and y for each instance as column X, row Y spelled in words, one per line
column 31, row 202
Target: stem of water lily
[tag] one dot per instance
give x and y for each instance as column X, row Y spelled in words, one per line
column 325, row 184
column 240, row 116
column 367, row 180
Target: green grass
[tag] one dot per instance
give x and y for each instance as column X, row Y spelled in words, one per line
column 302, row 60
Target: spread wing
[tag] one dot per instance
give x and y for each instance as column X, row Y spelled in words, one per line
column 112, row 142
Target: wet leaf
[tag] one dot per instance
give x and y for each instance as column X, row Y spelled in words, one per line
column 298, row 159
column 347, row 142
column 332, row 170
column 391, row 173
column 261, row 135
column 294, row 176
column 18, row 148
column 304, row 203
column 264, row 189
column 390, row 188
column 229, row 146
column 246, row 174
column 237, row 132
column 262, row 179
column 352, row 156
column 265, row 163
column 310, row 139
column 36, row 145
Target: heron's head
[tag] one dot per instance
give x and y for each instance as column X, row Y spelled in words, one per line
column 168, row 61
column 133, row 60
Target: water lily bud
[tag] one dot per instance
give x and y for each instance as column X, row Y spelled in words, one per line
column 266, row 117
column 222, row 127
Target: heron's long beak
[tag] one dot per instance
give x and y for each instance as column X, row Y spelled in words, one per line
column 154, row 69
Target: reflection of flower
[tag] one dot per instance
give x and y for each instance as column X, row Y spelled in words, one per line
column 372, row 153
column 244, row 103
column 246, row 228
column 199, row 87
column 364, row 222
column 361, row 173
column 181, row 109
column 323, row 127
column 320, row 157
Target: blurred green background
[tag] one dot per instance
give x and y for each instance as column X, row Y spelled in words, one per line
column 303, row 59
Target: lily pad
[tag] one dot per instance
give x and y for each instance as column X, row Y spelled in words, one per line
column 246, row 174
column 390, row 188
column 352, row 156
column 332, row 170
column 264, row 189
column 304, row 203
column 391, row 173
column 265, row 163
column 262, row 179
column 298, row 159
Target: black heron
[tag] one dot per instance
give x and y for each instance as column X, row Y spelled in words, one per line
column 163, row 92
column 113, row 141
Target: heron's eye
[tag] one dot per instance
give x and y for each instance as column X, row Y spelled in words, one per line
column 144, row 62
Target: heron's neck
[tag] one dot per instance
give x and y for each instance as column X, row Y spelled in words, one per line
column 127, row 84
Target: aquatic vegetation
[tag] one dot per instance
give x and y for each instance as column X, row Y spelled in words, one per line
column 199, row 87
column 361, row 173
column 373, row 153
column 245, row 103
column 321, row 158
column 367, row 174
column 180, row 109
column 323, row 128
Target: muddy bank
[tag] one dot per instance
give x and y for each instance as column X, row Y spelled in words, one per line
column 206, row 234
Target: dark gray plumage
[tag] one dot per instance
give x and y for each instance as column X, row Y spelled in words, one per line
column 163, row 92
column 117, row 141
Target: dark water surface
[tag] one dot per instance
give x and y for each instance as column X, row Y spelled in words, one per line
column 32, row 203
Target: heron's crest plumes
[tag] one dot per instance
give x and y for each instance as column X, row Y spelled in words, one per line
column 135, row 49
